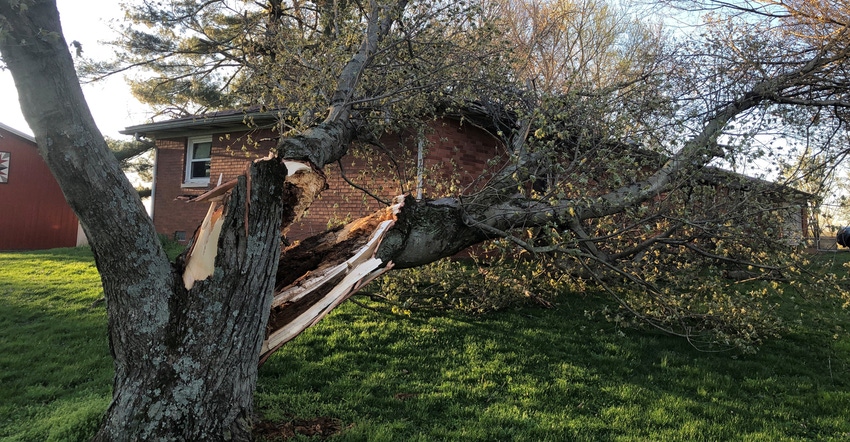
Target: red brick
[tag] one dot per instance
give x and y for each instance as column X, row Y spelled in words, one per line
column 448, row 146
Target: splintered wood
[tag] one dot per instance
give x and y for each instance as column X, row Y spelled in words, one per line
column 301, row 303
column 201, row 262
column 200, row 259
column 314, row 276
column 305, row 303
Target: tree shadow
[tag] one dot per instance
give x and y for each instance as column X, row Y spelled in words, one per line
column 550, row 375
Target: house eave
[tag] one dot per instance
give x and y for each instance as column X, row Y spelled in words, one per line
column 713, row 174
column 17, row 133
column 209, row 123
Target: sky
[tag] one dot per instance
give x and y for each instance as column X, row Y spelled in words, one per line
column 110, row 101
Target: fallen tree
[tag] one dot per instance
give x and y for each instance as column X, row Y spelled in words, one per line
column 186, row 336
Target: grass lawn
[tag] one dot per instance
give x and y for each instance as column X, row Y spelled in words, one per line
column 527, row 374
column 55, row 367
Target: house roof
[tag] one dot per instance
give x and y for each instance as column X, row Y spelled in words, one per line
column 476, row 113
column 14, row 131
column 209, row 122
column 253, row 118
column 735, row 180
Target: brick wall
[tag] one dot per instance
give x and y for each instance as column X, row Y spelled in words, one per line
column 454, row 153
column 171, row 215
column 460, row 153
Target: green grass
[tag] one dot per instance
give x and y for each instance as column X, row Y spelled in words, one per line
column 55, row 368
column 553, row 375
column 526, row 374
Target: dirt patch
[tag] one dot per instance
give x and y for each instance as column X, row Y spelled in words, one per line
column 321, row 426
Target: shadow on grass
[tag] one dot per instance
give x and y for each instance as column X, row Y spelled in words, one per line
column 61, row 255
column 551, row 375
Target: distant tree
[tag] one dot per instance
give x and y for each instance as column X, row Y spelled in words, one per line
column 571, row 46
column 133, row 156
column 601, row 182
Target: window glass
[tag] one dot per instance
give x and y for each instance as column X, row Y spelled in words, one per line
column 200, row 169
column 198, row 157
column 201, row 151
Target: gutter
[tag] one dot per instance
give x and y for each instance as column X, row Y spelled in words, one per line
column 201, row 121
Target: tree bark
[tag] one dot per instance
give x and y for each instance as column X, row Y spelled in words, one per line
column 185, row 359
column 197, row 383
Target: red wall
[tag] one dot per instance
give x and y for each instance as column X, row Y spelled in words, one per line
column 33, row 211
column 171, row 211
column 450, row 145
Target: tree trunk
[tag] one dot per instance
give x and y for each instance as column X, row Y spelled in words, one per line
column 196, row 380
column 185, row 338
column 185, row 359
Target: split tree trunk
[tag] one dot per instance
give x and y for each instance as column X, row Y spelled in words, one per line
column 185, row 360
column 197, row 380
column 185, row 345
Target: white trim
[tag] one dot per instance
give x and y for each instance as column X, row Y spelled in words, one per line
column 187, row 180
column 196, row 183
column 153, row 181
column 14, row 131
column 82, row 240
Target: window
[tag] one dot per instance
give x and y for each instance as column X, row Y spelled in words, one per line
column 198, row 152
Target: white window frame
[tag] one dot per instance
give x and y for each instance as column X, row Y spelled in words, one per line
column 188, row 181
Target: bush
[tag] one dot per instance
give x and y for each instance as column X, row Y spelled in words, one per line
column 172, row 247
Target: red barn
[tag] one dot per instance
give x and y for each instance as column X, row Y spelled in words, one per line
column 34, row 214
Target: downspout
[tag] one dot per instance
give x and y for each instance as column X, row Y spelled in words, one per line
column 420, row 164
column 153, row 181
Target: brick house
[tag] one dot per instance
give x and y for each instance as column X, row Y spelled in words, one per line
column 193, row 153
column 449, row 157
column 791, row 226
column 34, row 212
